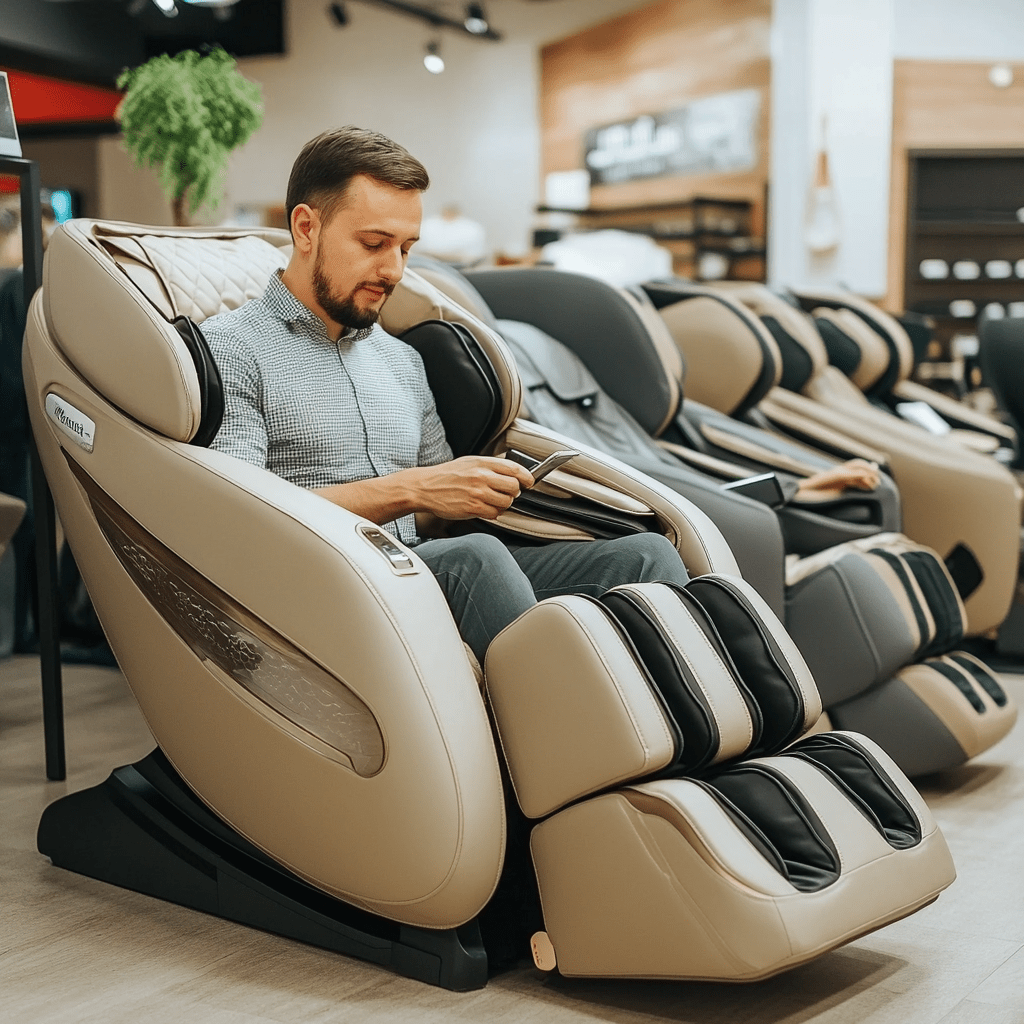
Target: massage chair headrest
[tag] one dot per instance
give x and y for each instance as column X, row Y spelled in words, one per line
column 117, row 297
column 797, row 340
column 899, row 348
column 454, row 284
column 732, row 361
column 852, row 346
column 617, row 334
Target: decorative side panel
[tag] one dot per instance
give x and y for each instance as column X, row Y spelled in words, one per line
column 230, row 638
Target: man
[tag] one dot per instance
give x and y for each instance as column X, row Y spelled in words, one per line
column 316, row 392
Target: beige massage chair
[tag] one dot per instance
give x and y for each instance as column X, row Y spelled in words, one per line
column 328, row 765
column 871, row 347
column 955, row 500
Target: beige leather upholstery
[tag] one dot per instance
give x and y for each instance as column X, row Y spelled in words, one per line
column 700, row 903
column 950, row 494
column 867, row 313
column 659, row 878
column 974, row 730
column 874, row 355
column 705, row 329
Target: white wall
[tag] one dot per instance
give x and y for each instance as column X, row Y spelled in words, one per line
column 475, row 126
column 832, row 60
column 835, row 57
column 959, row 30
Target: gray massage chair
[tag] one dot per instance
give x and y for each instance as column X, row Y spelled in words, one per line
column 327, row 767
column 877, row 619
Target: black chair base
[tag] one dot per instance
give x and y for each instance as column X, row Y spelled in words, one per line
column 144, row 830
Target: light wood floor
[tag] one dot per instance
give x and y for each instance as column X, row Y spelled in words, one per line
column 75, row 950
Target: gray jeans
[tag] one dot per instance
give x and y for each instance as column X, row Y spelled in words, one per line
column 488, row 584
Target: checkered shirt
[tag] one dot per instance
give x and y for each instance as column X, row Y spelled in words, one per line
column 319, row 412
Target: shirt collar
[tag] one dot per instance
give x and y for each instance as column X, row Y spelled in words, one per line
column 283, row 304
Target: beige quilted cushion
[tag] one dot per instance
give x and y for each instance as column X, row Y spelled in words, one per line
column 206, row 276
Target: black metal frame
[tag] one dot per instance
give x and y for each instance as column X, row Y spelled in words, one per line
column 47, row 623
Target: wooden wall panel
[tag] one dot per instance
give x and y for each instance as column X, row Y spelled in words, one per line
column 944, row 105
column 650, row 60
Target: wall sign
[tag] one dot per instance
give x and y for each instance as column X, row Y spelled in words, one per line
column 709, row 135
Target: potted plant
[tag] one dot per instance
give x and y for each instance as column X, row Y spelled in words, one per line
column 183, row 115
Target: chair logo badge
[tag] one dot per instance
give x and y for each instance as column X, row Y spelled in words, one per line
column 71, row 421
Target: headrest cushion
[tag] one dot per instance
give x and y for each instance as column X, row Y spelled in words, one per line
column 111, row 292
column 731, row 361
column 632, row 358
column 888, row 328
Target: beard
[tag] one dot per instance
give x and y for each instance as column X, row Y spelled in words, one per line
column 345, row 311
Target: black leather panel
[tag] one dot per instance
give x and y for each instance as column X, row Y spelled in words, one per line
column 843, row 352
column 962, row 684
column 856, row 773
column 797, row 366
column 211, row 388
column 463, row 381
column 985, row 680
column 761, row 664
column 1002, row 369
column 683, row 697
column 890, row 378
column 779, row 813
column 902, row 571
column 941, row 598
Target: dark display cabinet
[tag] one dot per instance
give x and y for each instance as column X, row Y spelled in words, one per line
column 965, row 241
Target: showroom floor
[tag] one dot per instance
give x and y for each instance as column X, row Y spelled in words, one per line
column 74, row 950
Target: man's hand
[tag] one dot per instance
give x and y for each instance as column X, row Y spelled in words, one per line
column 473, row 487
column 857, row 474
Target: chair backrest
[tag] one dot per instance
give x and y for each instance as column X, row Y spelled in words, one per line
column 900, row 349
column 617, row 334
column 732, row 359
column 1001, row 353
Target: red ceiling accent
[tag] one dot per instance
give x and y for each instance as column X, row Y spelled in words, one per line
column 39, row 100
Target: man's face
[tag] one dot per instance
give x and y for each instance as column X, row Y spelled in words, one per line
column 362, row 250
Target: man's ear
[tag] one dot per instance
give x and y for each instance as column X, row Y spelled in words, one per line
column 305, row 228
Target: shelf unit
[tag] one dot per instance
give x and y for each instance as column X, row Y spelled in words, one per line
column 691, row 229
column 962, row 205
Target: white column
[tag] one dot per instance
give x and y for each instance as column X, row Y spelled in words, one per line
column 831, row 60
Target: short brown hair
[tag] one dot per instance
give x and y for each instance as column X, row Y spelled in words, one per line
column 325, row 166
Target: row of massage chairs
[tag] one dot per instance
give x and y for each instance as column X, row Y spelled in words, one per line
column 644, row 785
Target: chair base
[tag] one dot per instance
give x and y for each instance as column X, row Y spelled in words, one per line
column 144, row 830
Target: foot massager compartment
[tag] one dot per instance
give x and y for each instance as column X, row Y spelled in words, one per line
column 681, row 832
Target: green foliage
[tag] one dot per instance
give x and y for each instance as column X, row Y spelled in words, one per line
column 184, row 115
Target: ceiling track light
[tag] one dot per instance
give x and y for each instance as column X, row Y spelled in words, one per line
column 432, row 59
column 436, row 20
column 475, row 21
column 168, row 7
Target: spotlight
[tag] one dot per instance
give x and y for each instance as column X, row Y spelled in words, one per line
column 432, row 60
column 476, row 20
column 338, row 14
column 167, row 6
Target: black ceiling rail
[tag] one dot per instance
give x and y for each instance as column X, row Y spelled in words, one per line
column 433, row 17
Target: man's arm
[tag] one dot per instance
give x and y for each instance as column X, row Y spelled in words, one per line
column 472, row 487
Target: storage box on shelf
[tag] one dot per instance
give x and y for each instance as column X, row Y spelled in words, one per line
column 709, row 238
